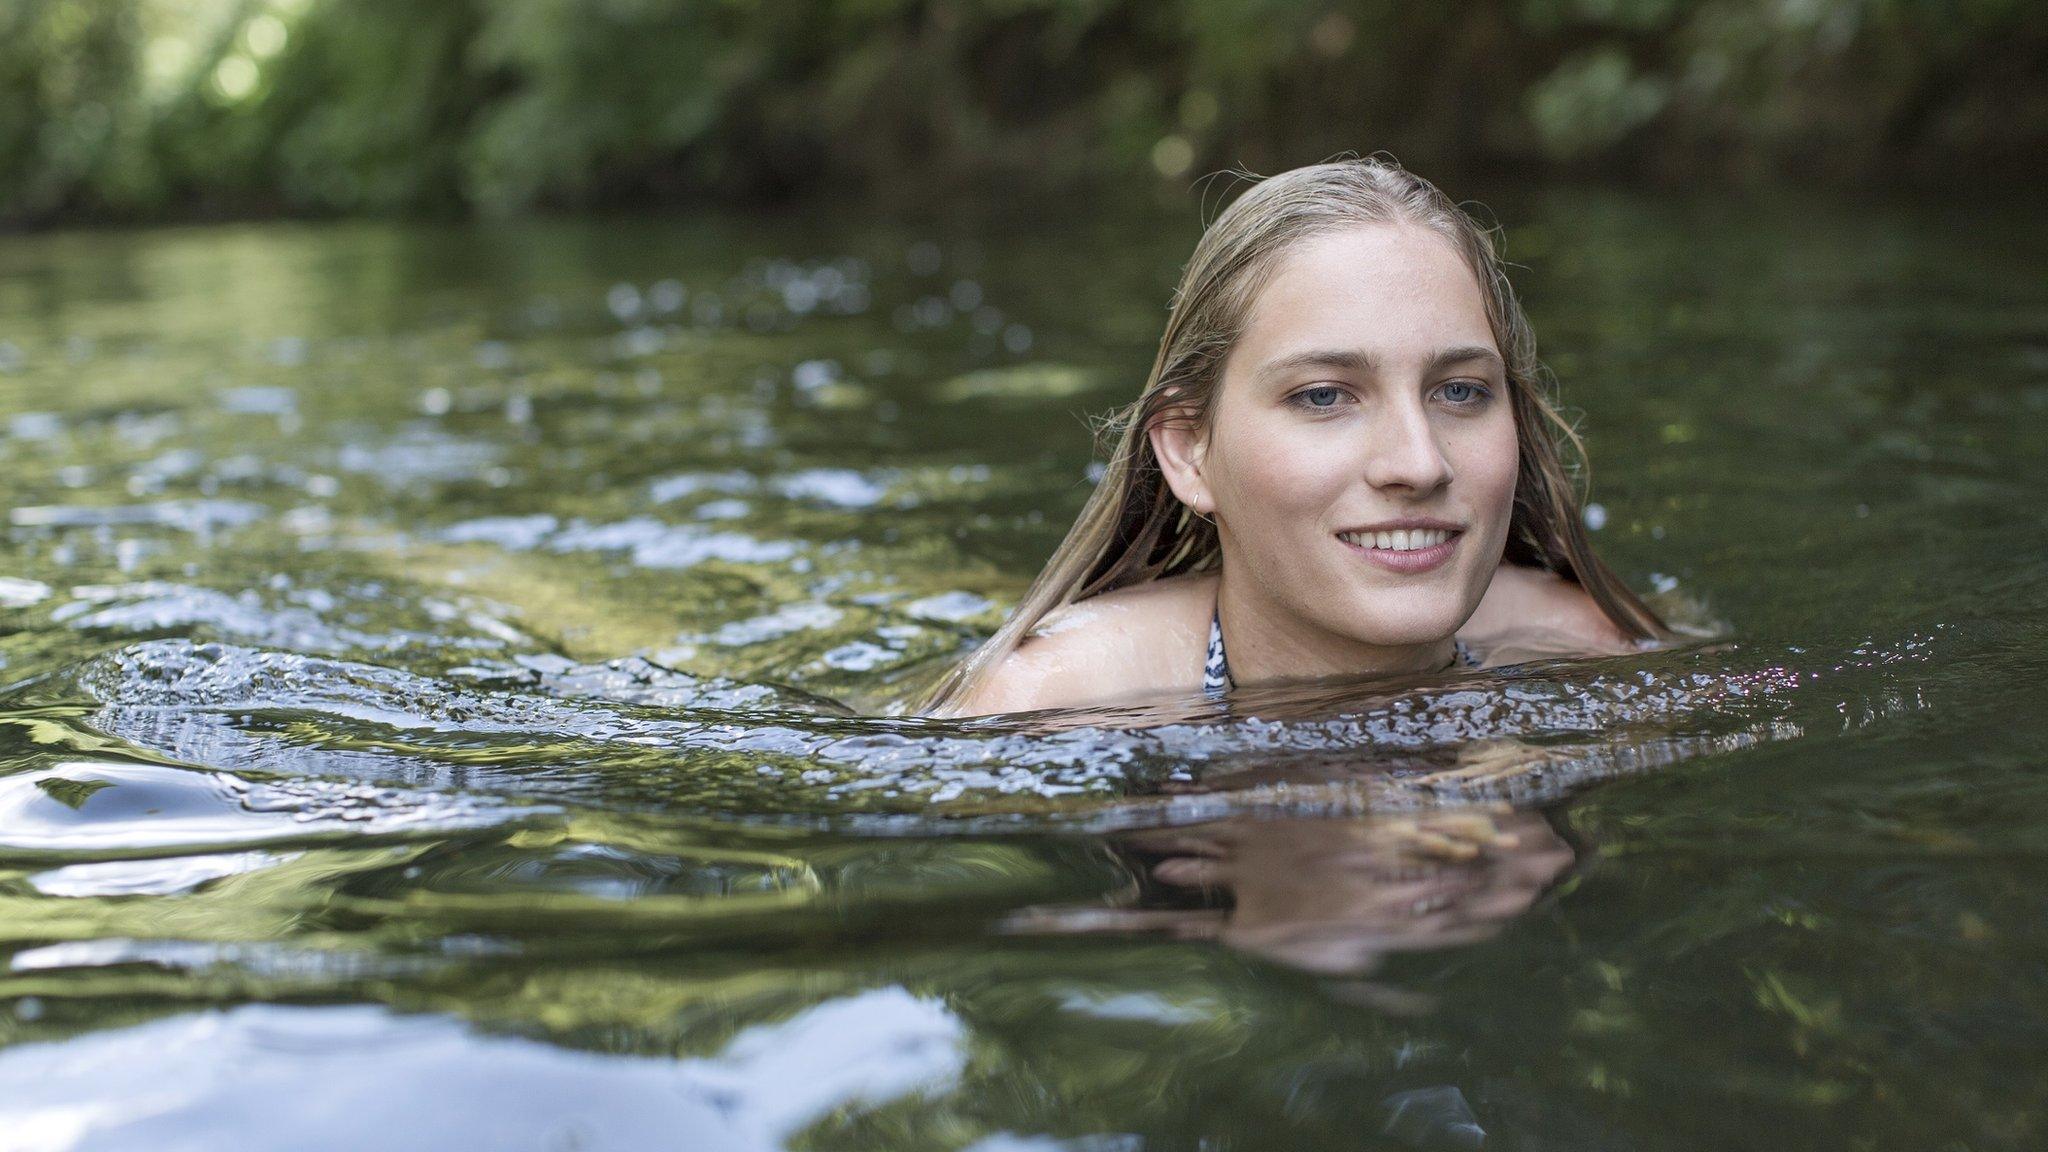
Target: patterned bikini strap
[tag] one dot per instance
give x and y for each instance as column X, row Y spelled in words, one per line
column 1216, row 681
column 1463, row 655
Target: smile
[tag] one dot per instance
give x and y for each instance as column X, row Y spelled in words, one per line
column 1399, row 540
column 1404, row 550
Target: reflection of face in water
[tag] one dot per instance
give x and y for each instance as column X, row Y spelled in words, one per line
column 1333, row 895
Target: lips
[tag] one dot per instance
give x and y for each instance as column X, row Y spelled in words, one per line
column 1407, row 548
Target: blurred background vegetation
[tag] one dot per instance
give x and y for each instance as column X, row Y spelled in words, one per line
column 154, row 109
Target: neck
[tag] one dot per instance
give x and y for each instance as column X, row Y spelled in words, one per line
column 1268, row 644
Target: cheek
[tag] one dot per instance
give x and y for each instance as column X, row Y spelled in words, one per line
column 1263, row 473
column 1486, row 465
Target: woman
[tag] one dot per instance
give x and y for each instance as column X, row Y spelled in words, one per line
column 1344, row 464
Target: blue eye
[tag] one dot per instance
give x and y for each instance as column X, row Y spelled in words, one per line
column 1323, row 396
column 1463, row 393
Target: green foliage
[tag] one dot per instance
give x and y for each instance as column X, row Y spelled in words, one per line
column 68, row 98
column 133, row 107
column 1593, row 101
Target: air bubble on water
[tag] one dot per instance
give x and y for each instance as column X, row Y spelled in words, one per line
column 812, row 375
column 931, row 312
column 667, row 296
column 623, row 301
column 642, row 341
column 801, row 296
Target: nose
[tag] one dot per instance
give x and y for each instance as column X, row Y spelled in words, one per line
column 1404, row 454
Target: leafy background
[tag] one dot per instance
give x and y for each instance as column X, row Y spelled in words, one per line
column 182, row 108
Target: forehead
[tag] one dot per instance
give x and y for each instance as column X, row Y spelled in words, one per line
column 1383, row 288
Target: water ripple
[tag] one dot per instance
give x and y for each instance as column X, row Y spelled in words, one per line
column 356, row 1077
column 632, row 733
column 104, row 807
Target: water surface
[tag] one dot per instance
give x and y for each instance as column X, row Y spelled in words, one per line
column 454, row 673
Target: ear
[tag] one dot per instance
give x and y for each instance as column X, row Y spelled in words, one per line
column 1181, row 446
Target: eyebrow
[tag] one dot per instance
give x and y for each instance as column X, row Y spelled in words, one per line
column 1357, row 360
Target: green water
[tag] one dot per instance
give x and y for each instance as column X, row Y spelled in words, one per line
column 446, row 679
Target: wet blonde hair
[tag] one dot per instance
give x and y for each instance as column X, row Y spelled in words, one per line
column 1134, row 529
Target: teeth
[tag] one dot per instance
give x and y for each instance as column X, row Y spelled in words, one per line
column 1400, row 540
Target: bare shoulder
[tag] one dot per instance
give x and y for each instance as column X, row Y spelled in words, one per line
column 1528, row 613
column 1137, row 641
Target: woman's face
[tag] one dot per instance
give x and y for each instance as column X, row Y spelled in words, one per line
column 1360, row 457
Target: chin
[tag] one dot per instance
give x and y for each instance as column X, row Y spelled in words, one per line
column 1426, row 626
column 1410, row 635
